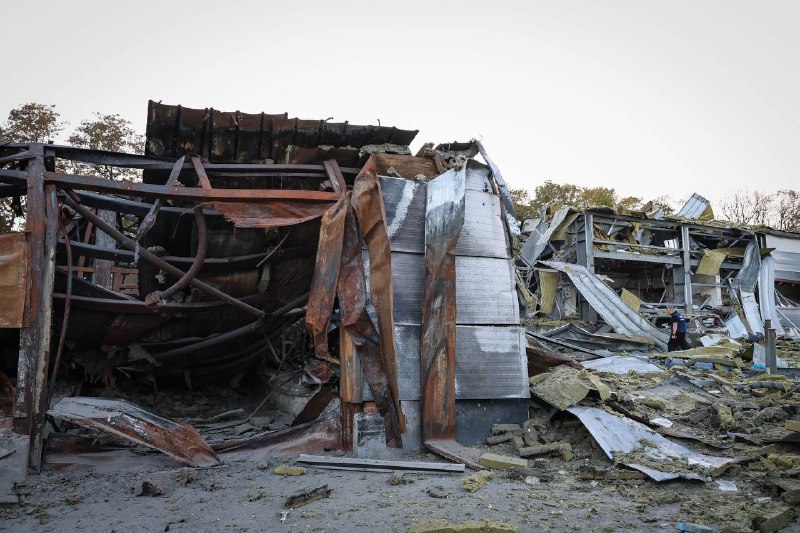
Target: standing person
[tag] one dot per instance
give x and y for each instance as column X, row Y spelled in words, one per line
column 677, row 338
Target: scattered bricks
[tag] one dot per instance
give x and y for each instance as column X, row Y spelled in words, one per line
column 499, row 439
column 518, row 442
column 477, row 480
column 792, row 425
column 501, row 462
column 655, row 403
column 724, row 417
column 773, row 520
column 784, row 461
column 498, row 429
column 286, row 470
column 471, row 526
column 562, row 448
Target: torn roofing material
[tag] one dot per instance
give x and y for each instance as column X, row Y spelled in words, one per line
column 605, row 301
column 627, row 441
column 125, row 420
column 766, row 293
column 696, row 208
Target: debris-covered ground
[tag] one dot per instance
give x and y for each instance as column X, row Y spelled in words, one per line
column 584, row 494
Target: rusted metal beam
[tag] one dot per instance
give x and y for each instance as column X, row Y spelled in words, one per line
column 43, row 324
column 335, row 175
column 188, row 194
column 155, row 297
column 202, row 177
column 30, row 336
column 74, row 201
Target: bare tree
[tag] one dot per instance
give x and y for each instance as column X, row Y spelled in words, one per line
column 747, row 207
column 787, row 210
column 112, row 133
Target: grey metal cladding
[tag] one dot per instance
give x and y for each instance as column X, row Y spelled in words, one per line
column 490, row 363
column 483, row 233
column 485, row 289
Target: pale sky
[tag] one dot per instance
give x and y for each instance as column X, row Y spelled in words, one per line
column 646, row 97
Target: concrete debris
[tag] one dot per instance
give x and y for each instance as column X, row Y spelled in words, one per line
column 150, row 489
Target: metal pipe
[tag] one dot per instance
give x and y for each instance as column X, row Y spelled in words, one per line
column 202, row 245
column 74, row 202
column 771, row 355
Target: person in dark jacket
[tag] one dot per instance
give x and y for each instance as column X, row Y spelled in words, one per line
column 677, row 338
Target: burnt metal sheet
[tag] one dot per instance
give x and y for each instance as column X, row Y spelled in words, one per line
column 485, row 289
column 242, row 137
column 444, row 218
column 608, row 305
column 326, row 275
column 14, row 269
column 367, row 202
column 359, row 328
column 490, row 363
column 619, row 436
column 483, row 233
column 125, row 420
column 597, row 341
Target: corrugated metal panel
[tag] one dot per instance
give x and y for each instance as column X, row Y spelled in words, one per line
column 790, row 317
column 787, row 257
column 736, row 328
column 483, row 233
column 485, row 289
column 608, row 305
column 751, row 312
column 622, row 364
column 618, row 435
column 747, row 277
column 766, row 293
column 694, row 207
column 490, row 363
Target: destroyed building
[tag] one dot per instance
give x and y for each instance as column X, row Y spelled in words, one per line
column 318, row 265
column 301, row 286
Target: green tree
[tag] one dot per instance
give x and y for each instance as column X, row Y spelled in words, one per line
column 28, row 123
column 32, row 123
column 112, row 133
column 560, row 194
column 523, row 204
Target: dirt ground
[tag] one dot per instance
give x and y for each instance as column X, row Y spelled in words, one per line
column 244, row 494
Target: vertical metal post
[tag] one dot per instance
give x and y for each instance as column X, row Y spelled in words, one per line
column 770, row 351
column 687, row 269
column 29, row 336
column 102, row 267
column 588, row 240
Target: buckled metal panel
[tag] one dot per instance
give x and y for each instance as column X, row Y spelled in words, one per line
column 485, row 289
column 483, row 233
column 490, row 363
